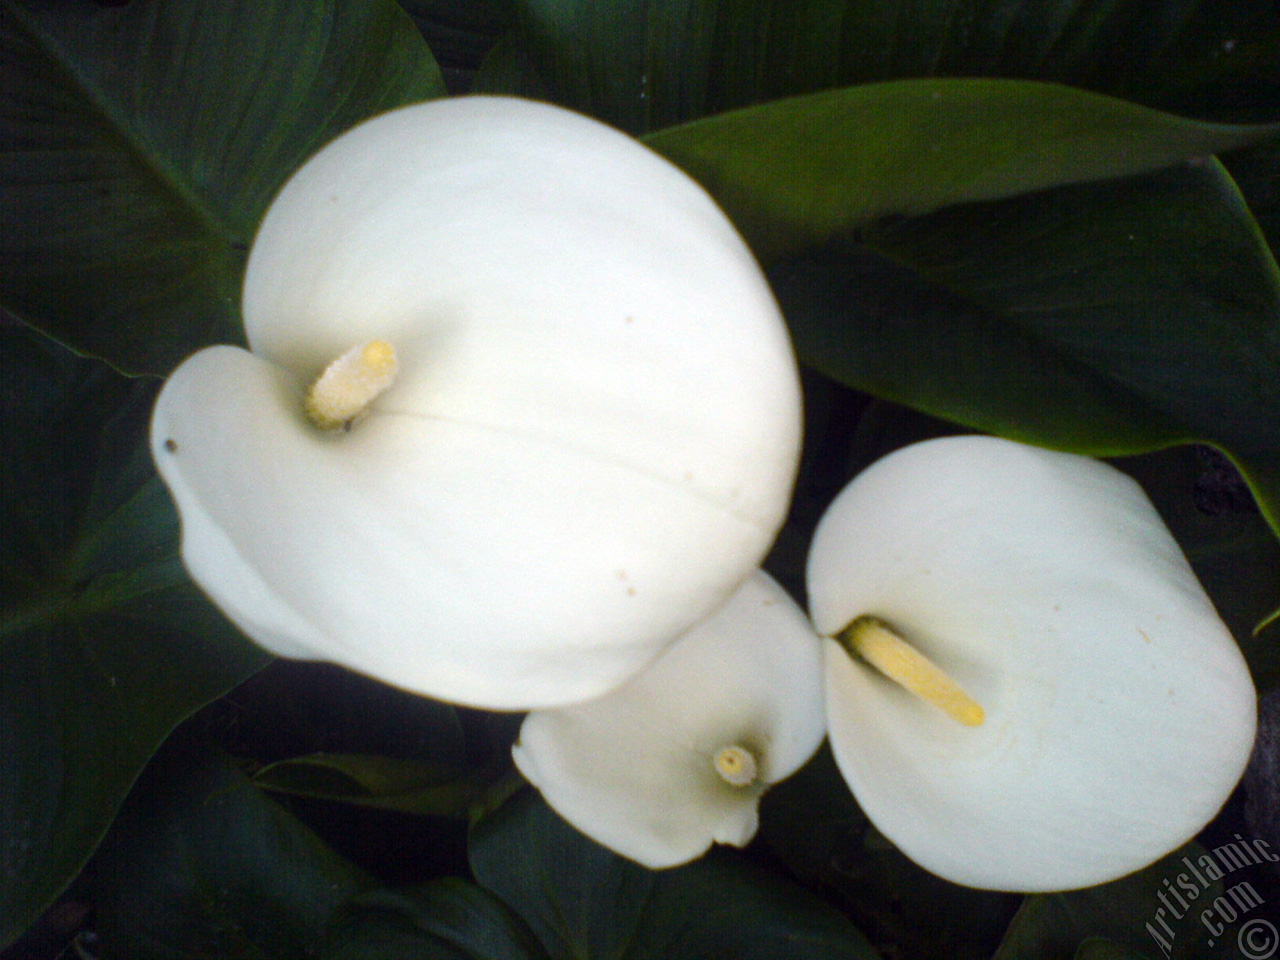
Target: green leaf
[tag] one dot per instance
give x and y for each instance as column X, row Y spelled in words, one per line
column 200, row 864
column 798, row 172
column 1109, row 318
column 107, row 645
column 1257, row 171
column 1098, row 949
column 140, row 145
column 583, row 901
column 638, row 66
column 459, row 34
column 813, row 823
column 384, row 783
column 447, row 919
column 645, row 64
column 1053, row 926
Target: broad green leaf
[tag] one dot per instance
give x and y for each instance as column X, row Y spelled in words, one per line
column 583, row 901
column 797, row 172
column 140, row 145
column 200, row 864
column 645, row 64
column 385, row 783
column 1129, row 912
column 1109, row 318
column 107, row 645
column 447, row 919
column 815, row 826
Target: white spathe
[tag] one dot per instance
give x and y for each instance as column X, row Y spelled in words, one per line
column 590, row 442
column 636, row 769
column 1119, row 711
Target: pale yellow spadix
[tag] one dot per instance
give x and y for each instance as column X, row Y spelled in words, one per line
column 341, row 394
column 1119, row 713
column 874, row 642
column 591, row 436
column 737, row 766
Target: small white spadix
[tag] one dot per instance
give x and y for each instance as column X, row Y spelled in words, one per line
column 678, row 758
column 737, row 766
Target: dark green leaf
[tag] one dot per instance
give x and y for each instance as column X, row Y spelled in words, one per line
column 1108, row 318
column 297, row 708
column 444, row 920
column 385, row 783
column 638, row 66
column 1128, row 911
column 306, row 713
column 107, row 645
column 797, row 172
column 1257, row 171
column 583, row 901
column 1098, row 949
column 645, row 64
column 459, row 34
column 814, row 824
column 200, row 864
column 140, row 145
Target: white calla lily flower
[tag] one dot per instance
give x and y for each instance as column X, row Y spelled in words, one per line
column 1079, row 709
column 678, row 758
column 520, row 409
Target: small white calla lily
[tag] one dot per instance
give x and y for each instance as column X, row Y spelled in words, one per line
column 520, row 409
column 678, row 757
column 1100, row 712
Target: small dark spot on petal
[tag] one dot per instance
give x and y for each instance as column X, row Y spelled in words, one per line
column 171, row 445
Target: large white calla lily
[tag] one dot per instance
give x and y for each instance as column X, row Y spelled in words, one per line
column 559, row 423
column 679, row 756
column 1080, row 708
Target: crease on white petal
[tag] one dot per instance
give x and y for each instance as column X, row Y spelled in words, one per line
column 1120, row 712
column 574, row 302
column 635, row 769
column 576, row 450
column 401, row 578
